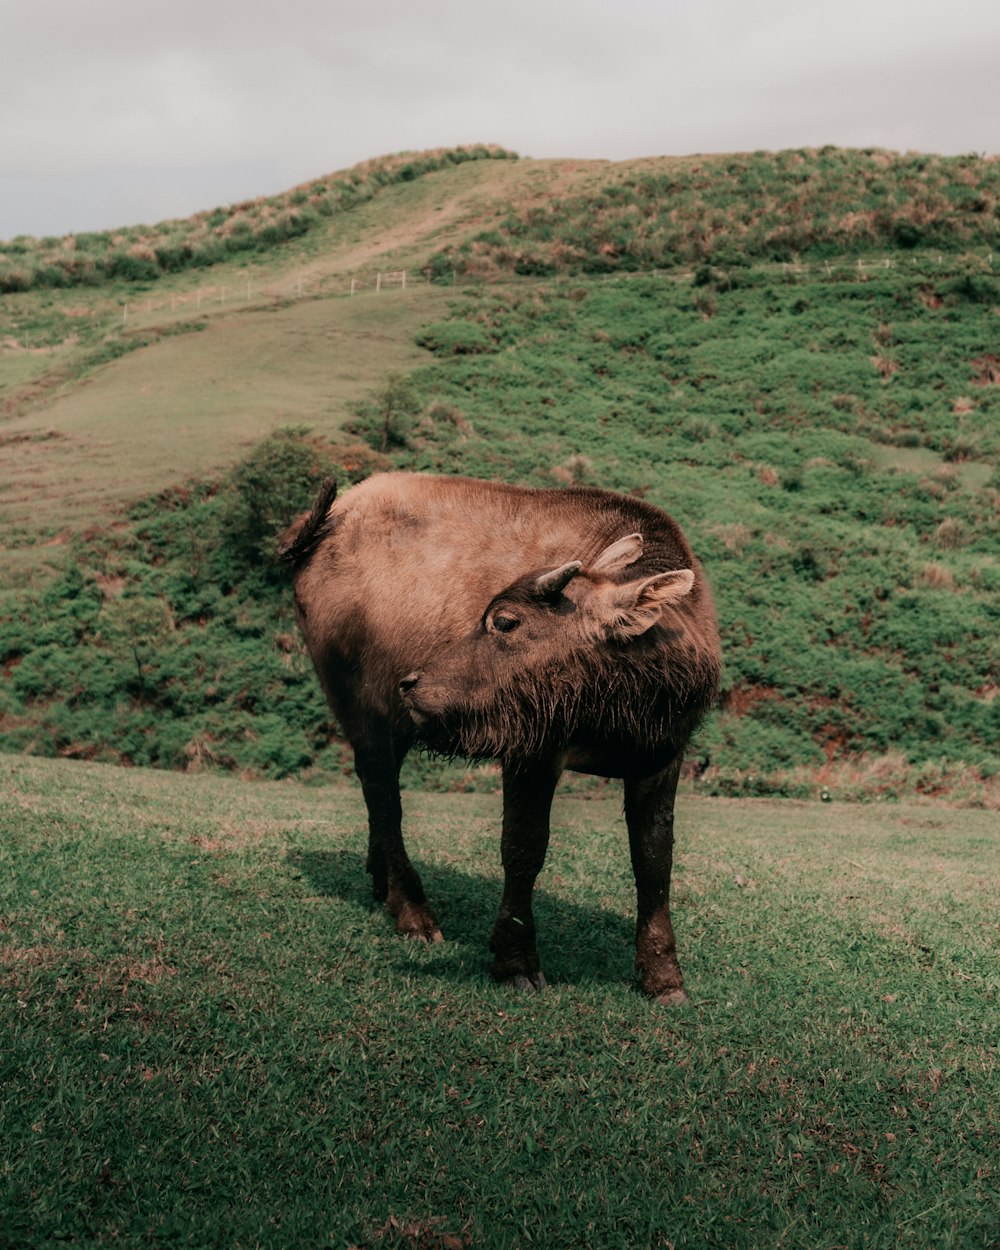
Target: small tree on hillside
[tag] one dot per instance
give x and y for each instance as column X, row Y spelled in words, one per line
column 136, row 625
column 386, row 419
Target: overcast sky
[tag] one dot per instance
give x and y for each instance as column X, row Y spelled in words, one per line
column 115, row 112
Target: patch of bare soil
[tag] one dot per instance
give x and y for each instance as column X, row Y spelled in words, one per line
column 406, row 235
column 987, row 370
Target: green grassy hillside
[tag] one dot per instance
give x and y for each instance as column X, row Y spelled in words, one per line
column 848, row 518
column 826, row 429
column 113, row 391
column 781, row 206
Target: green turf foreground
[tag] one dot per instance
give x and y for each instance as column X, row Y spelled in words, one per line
column 208, row 1037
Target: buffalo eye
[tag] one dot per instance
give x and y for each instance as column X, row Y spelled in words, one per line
column 504, row 623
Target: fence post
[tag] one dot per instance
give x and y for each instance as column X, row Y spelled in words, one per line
column 378, row 282
column 125, row 313
column 354, row 283
column 404, row 281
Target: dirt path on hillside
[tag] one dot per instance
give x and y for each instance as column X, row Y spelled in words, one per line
column 518, row 184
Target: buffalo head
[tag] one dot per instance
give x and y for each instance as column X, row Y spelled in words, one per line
column 556, row 651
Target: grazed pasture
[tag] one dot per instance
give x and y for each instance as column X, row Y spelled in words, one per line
column 211, row 1038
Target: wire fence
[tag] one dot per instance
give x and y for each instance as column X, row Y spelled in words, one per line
column 249, row 290
column 843, row 268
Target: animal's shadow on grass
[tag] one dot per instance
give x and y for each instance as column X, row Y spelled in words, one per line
column 577, row 942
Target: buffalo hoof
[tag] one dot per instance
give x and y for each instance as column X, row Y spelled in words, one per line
column 673, row 998
column 528, row 983
column 416, row 922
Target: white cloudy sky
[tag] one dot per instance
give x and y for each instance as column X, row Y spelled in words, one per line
column 114, row 112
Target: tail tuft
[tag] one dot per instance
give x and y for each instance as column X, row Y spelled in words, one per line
column 297, row 544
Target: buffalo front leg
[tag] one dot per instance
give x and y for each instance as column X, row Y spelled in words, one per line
column 649, row 814
column 527, row 803
column 394, row 879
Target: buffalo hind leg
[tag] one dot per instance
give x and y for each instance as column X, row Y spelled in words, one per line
column 649, row 814
column 394, row 879
column 527, row 803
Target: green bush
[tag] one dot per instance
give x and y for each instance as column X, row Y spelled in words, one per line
column 455, row 338
column 124, row 265
column 260, row 496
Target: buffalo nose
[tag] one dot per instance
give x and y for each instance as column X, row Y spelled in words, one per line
column 408, row 682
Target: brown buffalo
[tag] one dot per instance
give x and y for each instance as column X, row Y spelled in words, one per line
column 547, row 629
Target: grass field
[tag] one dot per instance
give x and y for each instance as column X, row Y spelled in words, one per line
column 188, row 405
column 210, row 1038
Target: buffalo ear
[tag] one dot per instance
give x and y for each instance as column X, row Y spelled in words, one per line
column 637, row 606
column 618, row 556
column 551, row 585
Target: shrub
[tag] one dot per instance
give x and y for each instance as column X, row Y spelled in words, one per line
column 131, row 268
column 972, row 287
column 907, row 235
column 699, row 429
column 961, row 447
column 936, row 577
column 577, row 470
column 262, row 494
column 137, row 626
column 15, row 278
column 455, row 338
column 440, row 268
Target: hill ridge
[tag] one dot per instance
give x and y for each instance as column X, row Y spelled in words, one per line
column 145, row 253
